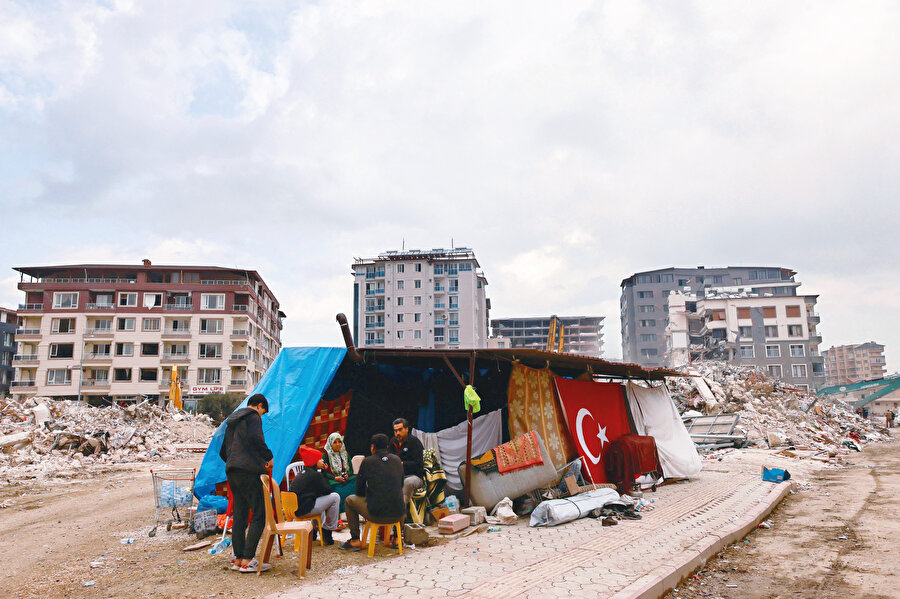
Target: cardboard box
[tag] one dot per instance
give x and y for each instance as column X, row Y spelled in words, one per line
column 439, row 512
column 453, row 523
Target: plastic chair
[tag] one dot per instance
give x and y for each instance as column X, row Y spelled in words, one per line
column 274, row 528
column 370, row 532
column 289, row 505
column 355, row 461
column 294, row 468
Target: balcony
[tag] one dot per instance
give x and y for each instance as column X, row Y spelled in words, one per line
column 28, row 333
column 378, row 274
column 439, row 288
column 175, row 357
column 374, row 291
column 378, row 308
column 815, row 338
column 241, row 308
column 104, row 307
column 239, row 358
column 375, row 341
column 179, row 307
column 440, row 306
column 95, row 383
column 454, row 323
column 237, row 333
column 31, row 307
column 375, row 325
column 438, row 338
column 181, row 333
column 105, row 332
column 25, row 358
column 438, row 322
column 238, row 383
column 97, row 357
column 23, row 385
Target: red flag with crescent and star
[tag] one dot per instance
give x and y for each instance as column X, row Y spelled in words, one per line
column 596, row 415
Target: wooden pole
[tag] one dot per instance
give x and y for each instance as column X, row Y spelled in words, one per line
column 466, row 497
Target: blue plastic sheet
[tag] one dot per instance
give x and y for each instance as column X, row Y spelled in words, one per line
column 293, row 386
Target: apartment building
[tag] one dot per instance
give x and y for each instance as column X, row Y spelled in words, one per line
column 8, row 324
column 644, row 308
column 420, row 299
column 582, row 335
column 854, row 363
column 118, row 331
column 774, row 333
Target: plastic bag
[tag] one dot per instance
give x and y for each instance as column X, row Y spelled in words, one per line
column 504, row 511
column 205, row 523
column 213, row 502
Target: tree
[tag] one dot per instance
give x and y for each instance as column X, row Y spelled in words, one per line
column 219, row 406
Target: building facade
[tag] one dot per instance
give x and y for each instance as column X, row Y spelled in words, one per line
column 582, row 335
column 117, row 332
column 774, row 333
column 8, row 324
column 644, row 306
column 854, row 363
column 420, row 299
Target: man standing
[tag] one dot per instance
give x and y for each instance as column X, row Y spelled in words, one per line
column 379, row 491
column 246, row 457
column 409, row 450
column 314, row 496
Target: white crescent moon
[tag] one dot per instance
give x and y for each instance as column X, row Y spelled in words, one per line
column 578, row 419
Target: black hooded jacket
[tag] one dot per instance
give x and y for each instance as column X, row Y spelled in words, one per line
column 244, row 447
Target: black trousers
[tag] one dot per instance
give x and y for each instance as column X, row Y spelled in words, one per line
column 246, row 488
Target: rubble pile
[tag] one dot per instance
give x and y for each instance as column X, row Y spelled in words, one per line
column 41, row 437
column 773, row 413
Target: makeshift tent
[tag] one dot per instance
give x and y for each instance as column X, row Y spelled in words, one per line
column 365, row 395
column 655, row 414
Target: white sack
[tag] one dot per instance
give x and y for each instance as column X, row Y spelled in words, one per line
column 655, row 414
column 559, row 511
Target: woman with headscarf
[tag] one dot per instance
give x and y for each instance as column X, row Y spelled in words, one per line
column 338, row 468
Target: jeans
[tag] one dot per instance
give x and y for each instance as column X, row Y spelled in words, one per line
column 246, row 488
column 329, row 506
column 354, row 506
column 411, row 484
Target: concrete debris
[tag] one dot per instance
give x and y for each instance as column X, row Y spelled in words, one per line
column 41, row 437
column 772, row 413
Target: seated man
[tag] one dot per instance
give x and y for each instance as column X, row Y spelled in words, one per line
column 314, row 496
column 409, row 449
column 379, row 491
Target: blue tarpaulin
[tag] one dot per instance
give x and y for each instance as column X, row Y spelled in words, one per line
column 293, row 386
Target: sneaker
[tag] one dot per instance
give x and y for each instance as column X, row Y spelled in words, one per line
column 254, row 566
column 326, row 537
column 346, row 546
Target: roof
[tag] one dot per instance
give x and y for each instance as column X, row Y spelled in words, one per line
column 561, row 363
column 701, row 269
column 39, row 271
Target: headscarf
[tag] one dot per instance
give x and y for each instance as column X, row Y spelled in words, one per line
column 339, row 462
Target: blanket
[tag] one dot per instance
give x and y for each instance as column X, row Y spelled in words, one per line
column 519, row 453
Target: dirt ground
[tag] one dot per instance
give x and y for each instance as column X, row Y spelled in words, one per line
column 62, row 538
column 835, row 538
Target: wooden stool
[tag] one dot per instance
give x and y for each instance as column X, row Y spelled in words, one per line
column 370, row 532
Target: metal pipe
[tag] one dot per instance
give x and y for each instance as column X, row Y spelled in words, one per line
column 348, row 339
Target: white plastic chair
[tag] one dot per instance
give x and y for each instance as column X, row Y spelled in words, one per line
column 294, row 468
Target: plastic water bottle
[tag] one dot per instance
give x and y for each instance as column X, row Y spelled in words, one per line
column 452, row 504
column 221, row 546
column 494, row 529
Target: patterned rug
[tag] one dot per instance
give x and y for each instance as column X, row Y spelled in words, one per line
column 329, row 417
column 519, row 453
column 486, row 462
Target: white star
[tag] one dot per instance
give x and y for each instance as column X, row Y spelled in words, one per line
column 602, row 436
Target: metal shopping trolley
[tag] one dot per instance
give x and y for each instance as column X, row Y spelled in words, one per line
column 172, row 489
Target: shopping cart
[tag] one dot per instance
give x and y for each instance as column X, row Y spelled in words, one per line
column 172, row 489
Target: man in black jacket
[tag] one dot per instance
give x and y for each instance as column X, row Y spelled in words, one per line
column 409, row 449
column 314, row 496
column 246, row 456
column 379, row 491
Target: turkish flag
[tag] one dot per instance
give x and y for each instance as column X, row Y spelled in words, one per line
column 596, row 415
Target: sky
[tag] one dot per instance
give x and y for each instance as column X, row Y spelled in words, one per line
column 569, row 144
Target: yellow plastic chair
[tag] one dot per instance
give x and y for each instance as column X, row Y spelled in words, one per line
column 370, row 532
column 289, row 505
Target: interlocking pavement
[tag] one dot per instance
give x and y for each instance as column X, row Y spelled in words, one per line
column 690, row 522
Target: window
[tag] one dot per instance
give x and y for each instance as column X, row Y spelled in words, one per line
column 465, row 266
column 743, row 312
column 210, row 350
column 768, row 311
column 718, row 315
column 150, row 324
column 745, row 332
column 400, row 284
column 209, row 376
column 798, row 371
column 644, row 294
column 738, row 281
column 125, row 349
column 61, row 350
column 683, row 282
column 454, row 335
column 212, row 301
column 125, row 324
column 647, row 323
column 417, row 283
column 99, row 375
column 771, row 331
column 454, row 319
column 399, row 301
column 63, row 300
column 643, row 279
column 718, row 279
column 149, row 349
column 180, row 325
column 153, row 300
column 454, row 286
column 747, row 351
column 128, row 300
column 417, row 317
column 177, row 349
column 646, row 309
column 454, row 302
column 438, row 334
column 122, row 374
column 797, row 351
column 104, row 299
column 399, row 334
column 417, row 334
column 103, row 324
column 192, row 277
column 101, row 350
column 58, row 376
column 63, row 325
column 417, row 301
column 400, row 318
column 648, row 337
column 149, row 374
column 418, row 267
column 773, row 351
column 211, row 326
column 666, row 278
column 774, row 370
column 401, row 268
column 795, row 330
column 792, row 311
column 649, row 352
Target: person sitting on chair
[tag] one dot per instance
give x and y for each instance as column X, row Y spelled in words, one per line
column 409, row 449
column 314, row 496
column 379, row 491
column 338, row 468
